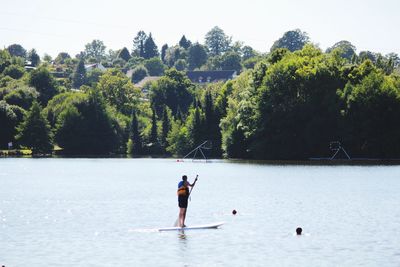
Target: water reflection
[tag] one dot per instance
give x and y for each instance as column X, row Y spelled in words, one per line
column 181, row 235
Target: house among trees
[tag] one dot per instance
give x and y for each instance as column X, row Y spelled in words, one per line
column 211, row 76
column 99, row 66
column 147, row 79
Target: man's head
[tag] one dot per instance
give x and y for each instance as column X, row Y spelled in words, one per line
column 184, row 178
column 299, row 230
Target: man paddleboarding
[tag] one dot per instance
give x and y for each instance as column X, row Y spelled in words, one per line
column 183, row 197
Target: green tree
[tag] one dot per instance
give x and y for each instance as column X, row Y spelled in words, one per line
column 138, row 44
column 150, row 48
column 195, row 124
column 5, row 59
column 233, row 96
column 221, row 101
column 136, row 147
column 229, row 61
column 367, row 55
column 61, row 57
column 154, row 66
column 124, row 54
column 79, row 77
column 118, row 91
column 248, row 52
column 95, row 50
column 153, row 134
column 93, row 76
column 163, row 52
column 44, row 83
column 211, row 123
column 139, row 73
column 292, row 118
column 372, row 109
column 33, row 57
column 178, row 139
column 14, row 71
column 35, row 132
column 166, row 127
column 180, row 65
column 154, row 143
column 173, row 54
column 118, row 63
column 22, row 96
column 173, row 90
column 395, row 59
column 16, row 50
column 277, row 55
column 292, row 40
column 217, row 41
column 60, row 103
column 10, row 117
column 197, row 56
column 184, row 43
column 347, row 49
column 47, row 58
column 87, row 127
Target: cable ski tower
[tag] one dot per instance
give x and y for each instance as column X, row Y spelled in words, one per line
column 336, row 146
column 206, row 145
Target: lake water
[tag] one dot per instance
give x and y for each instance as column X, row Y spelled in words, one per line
column 103, row 212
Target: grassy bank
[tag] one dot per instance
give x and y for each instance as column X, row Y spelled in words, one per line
column 15, row 152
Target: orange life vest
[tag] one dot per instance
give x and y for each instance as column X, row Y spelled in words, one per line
column 183, row 190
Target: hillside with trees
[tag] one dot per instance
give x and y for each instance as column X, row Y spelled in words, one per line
column 287, row 103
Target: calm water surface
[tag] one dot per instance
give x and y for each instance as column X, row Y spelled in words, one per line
column 102, row 212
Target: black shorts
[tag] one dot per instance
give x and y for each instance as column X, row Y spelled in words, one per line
column 183, row 201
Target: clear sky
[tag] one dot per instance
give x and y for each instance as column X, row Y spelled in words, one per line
column 52, row 26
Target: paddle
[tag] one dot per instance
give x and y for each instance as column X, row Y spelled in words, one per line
column 190, row 192
column 194, row 183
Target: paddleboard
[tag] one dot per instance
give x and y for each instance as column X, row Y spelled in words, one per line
column 194, row 227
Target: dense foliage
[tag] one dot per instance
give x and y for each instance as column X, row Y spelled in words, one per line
column 289, row 103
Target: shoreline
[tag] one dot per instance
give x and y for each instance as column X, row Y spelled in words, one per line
column 310, row 162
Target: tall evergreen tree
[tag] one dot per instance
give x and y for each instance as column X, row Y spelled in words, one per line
column 33, row 57
column 150, row 48
column 163, row 52
column 166, row 127
column 34, row 132
column 153, row 133
column 154, row 143
column 211, row 121
column 208, row 110
column 135, row 136
column 178, row 114
column 184, row 43
column 196, row 127
column 138, row 44
column 124, row 54
column 79, row 77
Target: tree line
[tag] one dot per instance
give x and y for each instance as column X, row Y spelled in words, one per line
column 287, row 103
